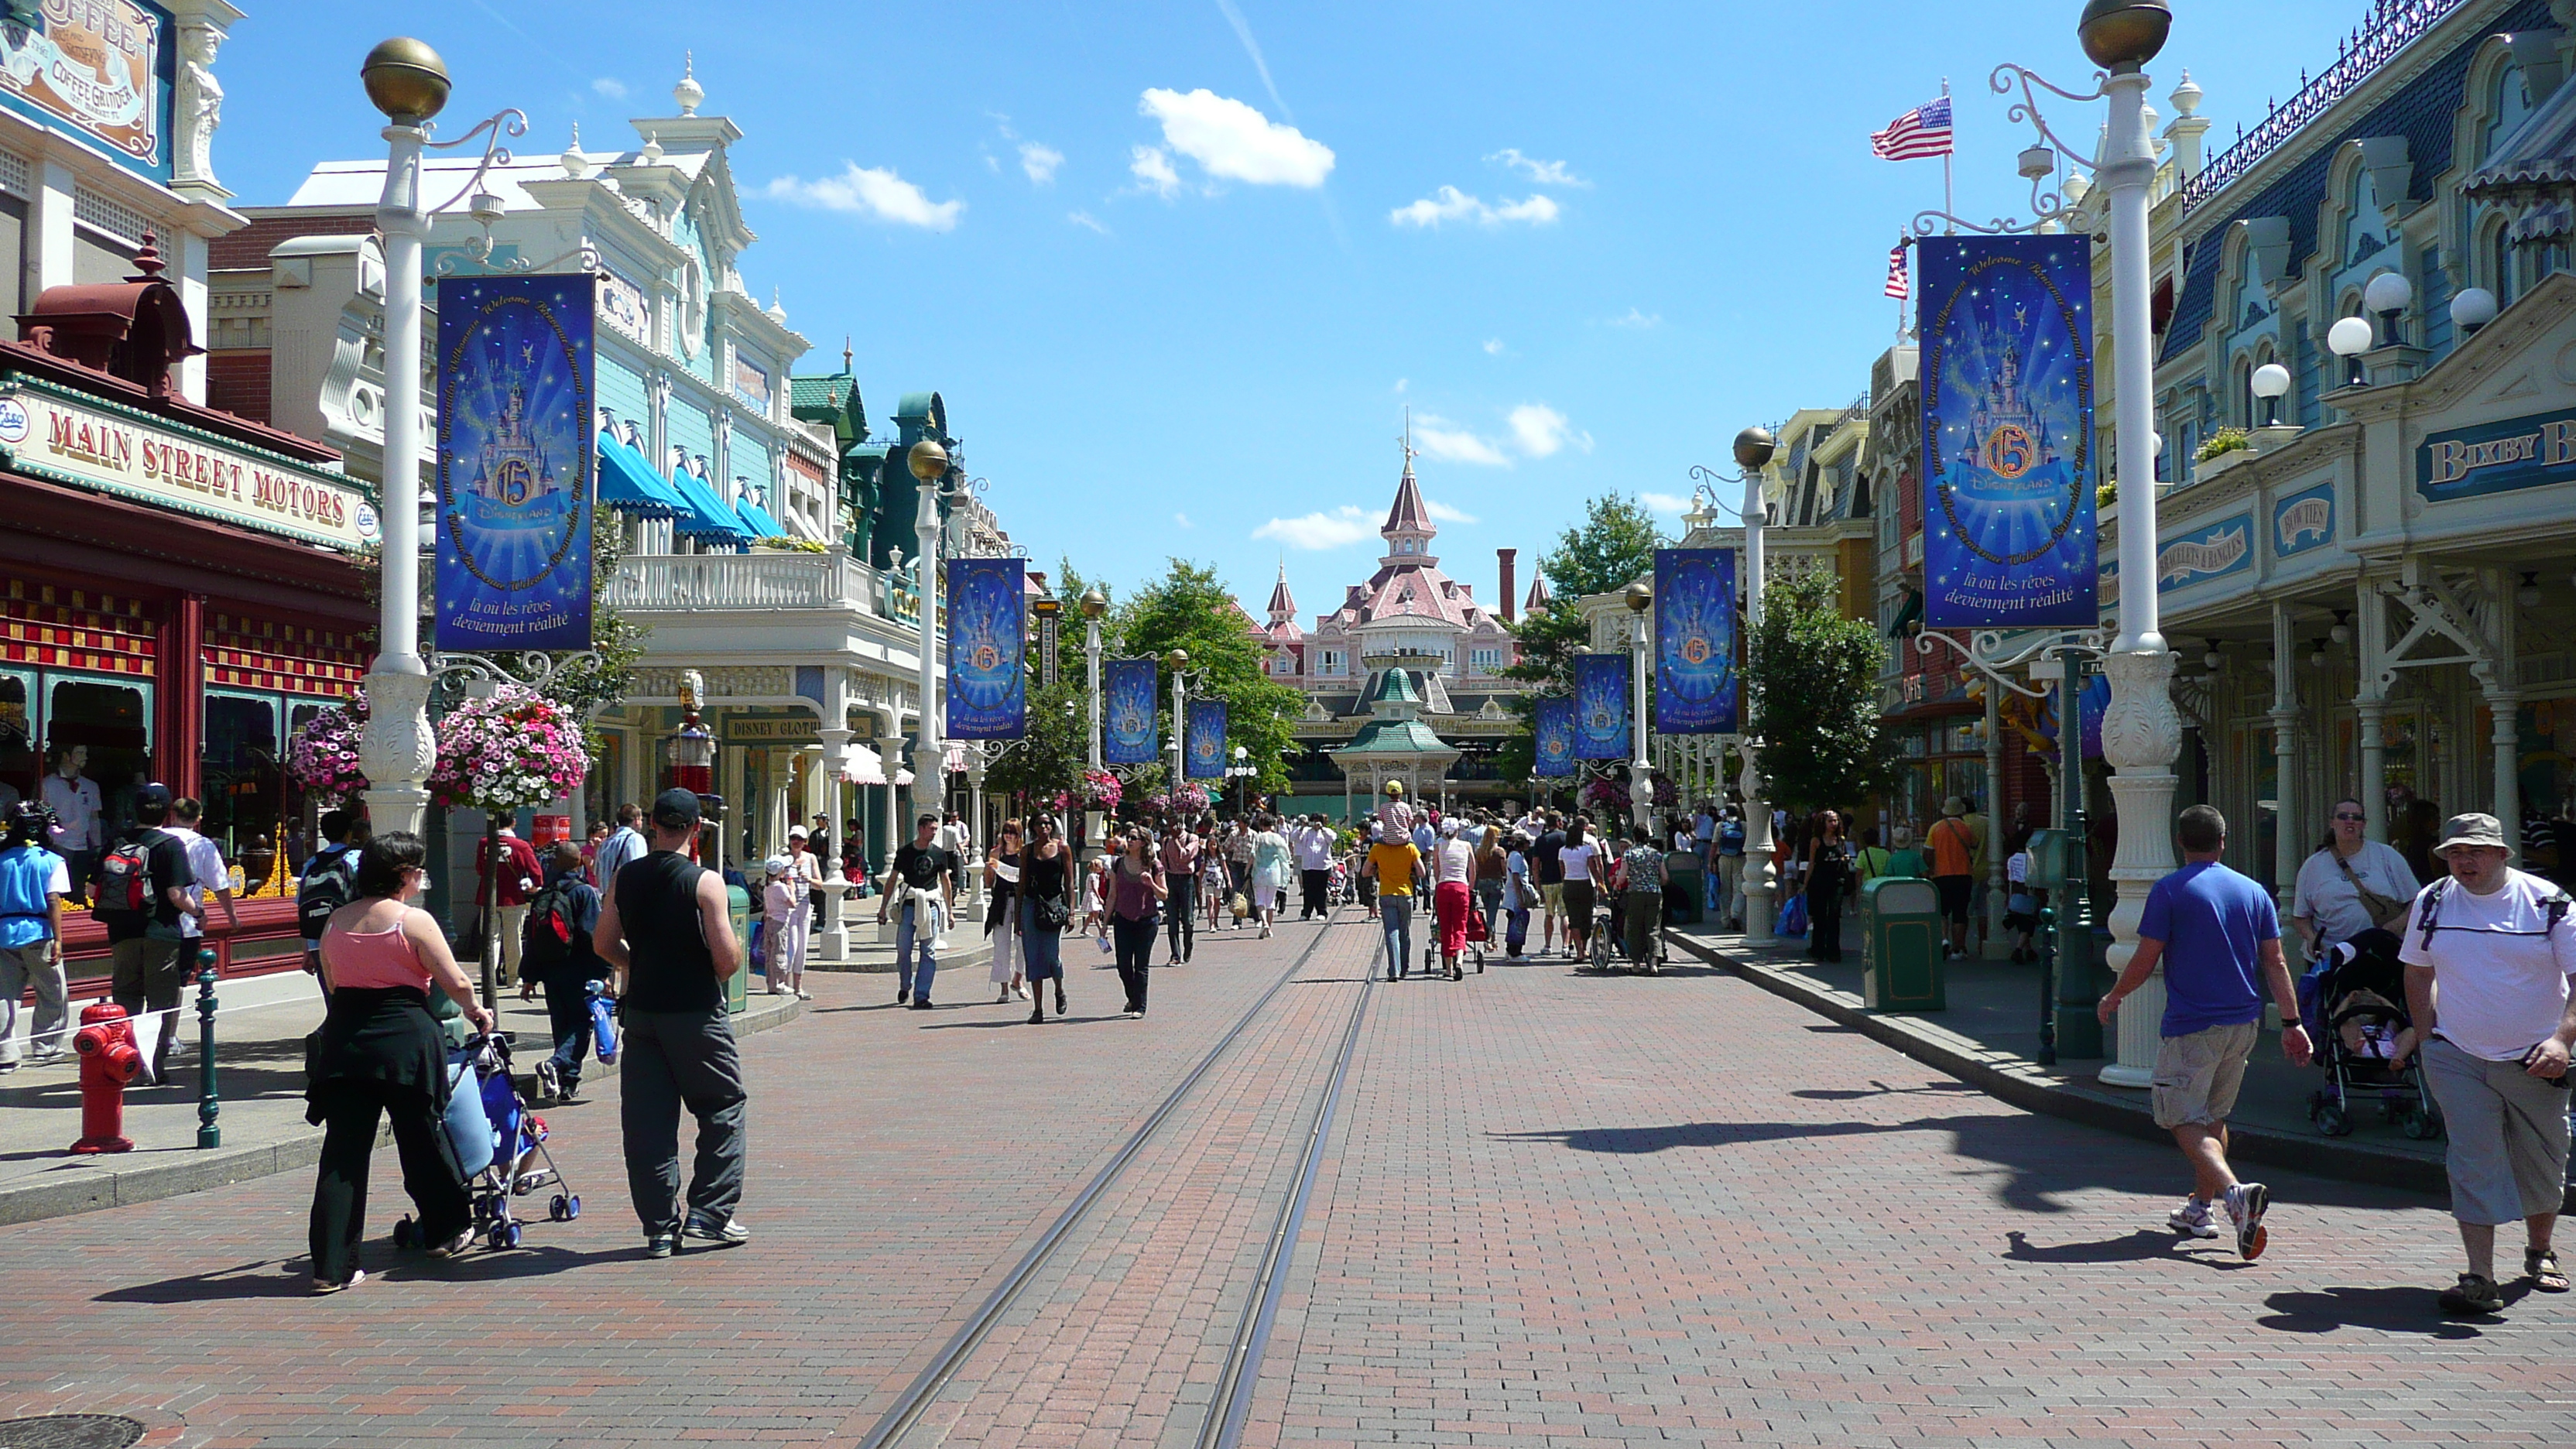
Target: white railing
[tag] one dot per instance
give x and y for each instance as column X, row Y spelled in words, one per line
column 833, row 580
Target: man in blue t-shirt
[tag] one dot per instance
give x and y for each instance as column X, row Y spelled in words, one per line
column 2219, row 939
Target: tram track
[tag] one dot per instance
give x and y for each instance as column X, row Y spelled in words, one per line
column 1231, row 1403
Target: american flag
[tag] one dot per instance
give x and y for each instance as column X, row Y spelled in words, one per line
column 1919, row 133
column 1896, row 282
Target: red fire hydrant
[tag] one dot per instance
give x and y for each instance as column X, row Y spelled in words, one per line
column 110, row 1058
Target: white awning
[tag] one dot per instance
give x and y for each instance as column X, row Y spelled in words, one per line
column 902, row 778
column 866, row 767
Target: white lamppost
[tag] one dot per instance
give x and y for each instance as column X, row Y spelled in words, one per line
column 408, row 82
column 1641, row 772
column 1753, row 450
column 1178, row 660
column 1094, row 604
column 930, row 468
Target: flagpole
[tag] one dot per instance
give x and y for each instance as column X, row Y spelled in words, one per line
column 1949, row 203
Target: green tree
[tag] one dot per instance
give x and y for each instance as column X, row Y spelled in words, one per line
column 1613, row 547
column 1189, row 608
column 1812, row 682
column 1050, row 757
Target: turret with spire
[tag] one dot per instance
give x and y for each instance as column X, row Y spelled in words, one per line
column 1409, row 529
column 1283, row 608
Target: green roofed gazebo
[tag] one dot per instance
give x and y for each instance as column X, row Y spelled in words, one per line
column 1395, row 744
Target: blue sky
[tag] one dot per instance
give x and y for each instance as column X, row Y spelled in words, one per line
column 1178, row 266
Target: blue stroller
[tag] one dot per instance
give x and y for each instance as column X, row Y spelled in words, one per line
column 500, row 1146
column 2357, row 996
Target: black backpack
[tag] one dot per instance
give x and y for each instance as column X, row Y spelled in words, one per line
column 125, row 884
column 2558, row 905
column 545, row 941
column 330, row 882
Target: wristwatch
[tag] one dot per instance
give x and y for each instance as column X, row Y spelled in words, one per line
column 2289, row 1022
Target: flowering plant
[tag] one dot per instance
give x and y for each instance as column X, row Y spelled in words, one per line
column 512, row 749
column 1187, row 800
column 1099, row 790
column 1602, row 790
column 322, row 757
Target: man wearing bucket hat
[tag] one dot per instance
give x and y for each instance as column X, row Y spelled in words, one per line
column 2488, row 952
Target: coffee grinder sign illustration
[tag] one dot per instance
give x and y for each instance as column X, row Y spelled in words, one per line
column 102, row 67
column 2008, row 537
column 514, row 462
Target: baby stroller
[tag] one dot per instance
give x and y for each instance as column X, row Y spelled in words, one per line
column 2358, row 995
column 501, row 1147
column 1479, row 936
column 1337, row 886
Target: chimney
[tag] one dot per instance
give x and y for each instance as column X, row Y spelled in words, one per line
column 1505, row 555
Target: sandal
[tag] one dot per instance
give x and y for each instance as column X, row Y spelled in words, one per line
column 2471, row 1296
column 2540, row 1266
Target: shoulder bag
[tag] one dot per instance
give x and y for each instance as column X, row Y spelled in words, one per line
column 2384, row 912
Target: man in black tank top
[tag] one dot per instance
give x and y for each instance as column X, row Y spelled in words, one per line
column 667, row 931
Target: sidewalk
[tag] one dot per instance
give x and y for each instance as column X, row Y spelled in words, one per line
column 1991, row 1029
column 259, row 1060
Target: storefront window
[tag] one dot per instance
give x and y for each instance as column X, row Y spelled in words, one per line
column 110, row 719
column 244, row 787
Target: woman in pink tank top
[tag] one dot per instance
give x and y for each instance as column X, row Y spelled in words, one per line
column 380, row 1053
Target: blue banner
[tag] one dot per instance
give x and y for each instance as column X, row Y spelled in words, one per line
column 2008, row 464
column 1553, row 724
column 1206, row 737
column 1127, row 733
column 988, row 631
column 1601, row 706
column 514, row 462
column 1695, row 680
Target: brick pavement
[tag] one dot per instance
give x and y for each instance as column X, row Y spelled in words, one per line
column 1555, row 1209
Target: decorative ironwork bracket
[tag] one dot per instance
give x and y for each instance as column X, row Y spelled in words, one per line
column 2047, row 207
column 1994, row 652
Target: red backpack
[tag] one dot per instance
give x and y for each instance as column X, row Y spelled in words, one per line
column 125, row 875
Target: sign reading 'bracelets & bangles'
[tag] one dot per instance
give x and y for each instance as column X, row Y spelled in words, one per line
column 2008, row 526
column 90, row 444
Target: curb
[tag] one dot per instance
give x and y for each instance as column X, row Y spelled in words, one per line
column 222, row 1166
column 2014, row 1080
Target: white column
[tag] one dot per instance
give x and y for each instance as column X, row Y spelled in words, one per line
column 930, row 755
column 2499, row 681
column 398, row 749
column 1997, row 888
column 2286, row 855
column 2141, row 732
column 1761, row 879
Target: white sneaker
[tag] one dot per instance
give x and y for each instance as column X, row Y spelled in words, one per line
column 2246, row 1202
column 2192, row 1219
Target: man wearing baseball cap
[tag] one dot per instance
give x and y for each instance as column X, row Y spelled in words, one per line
column 143, row 878
column 2488, row 951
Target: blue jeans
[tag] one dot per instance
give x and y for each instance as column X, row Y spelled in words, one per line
column 1395, row 917
column 908, row 977
column 568, row 1017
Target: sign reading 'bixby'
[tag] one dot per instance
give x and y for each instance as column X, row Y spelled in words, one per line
column 2497, row 457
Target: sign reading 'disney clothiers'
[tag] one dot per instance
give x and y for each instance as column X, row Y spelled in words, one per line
column 162, row 465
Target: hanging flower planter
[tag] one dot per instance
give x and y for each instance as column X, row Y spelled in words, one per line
column 322, row 757
column 512, row 749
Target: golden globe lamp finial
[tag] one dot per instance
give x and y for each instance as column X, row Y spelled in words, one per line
column 2121, row 36
column 1178, row 659
column 1094, row 602
column 406, row 80
column 1754, row 447
column 1639, row 596
column 927, row 460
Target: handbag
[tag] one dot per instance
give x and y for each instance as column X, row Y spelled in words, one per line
column 1053, row 913
column 2382, row 910
column 1793, row 918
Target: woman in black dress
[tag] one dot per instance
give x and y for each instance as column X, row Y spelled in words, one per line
column 1046, row 908
column 1829, row 875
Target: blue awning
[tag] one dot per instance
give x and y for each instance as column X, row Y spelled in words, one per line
column 706, row 516
column 626, row 481
column 757, row 519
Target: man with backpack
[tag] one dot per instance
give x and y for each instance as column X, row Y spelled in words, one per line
column 142, row 879
column 555, row 952
column 328, row 881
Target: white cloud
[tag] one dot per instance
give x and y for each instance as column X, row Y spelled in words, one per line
column 1084, row 218
column 1040, row 162
column 1445, row 513
column 1638, row 319
column 1234, row 142
column 1153, row 172
column 1493, row 347
column 1340, row 528
column 1402, row 383
column 1545, row 173
column 1450, row 204
column 610, row 86
column 1664, row 502
column 1457, row 445
column 1541, row 430
column 1182, row 520
column 874, row 192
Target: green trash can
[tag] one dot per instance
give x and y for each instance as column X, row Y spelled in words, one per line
column 1901, row 946
column 738, row 985
column 1688, row 886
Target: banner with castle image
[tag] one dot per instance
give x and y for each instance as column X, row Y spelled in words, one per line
column 1552, row 724
column 1601, row 706
column 1128, row 732
column 1695, row 682
column 514, row 462
column 988, row 630
column 2008, row 455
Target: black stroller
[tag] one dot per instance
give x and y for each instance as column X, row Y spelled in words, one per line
column 2357, row 995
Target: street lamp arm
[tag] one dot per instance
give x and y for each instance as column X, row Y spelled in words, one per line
column 2047, row 206
column 508, row 124
column 1990, row 654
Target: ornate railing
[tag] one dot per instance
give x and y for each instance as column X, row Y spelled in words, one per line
column 2392, row 26
column 831, row 580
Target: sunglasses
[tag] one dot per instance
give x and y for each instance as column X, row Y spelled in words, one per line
column 2341, row 816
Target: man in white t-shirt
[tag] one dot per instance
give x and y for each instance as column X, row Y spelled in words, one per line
column 79, row 827
column 2488, row 953
column 206, row 871
column 1312, row 839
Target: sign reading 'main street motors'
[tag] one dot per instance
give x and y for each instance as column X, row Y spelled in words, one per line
column 58, row 435
column 2497, row 457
